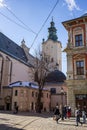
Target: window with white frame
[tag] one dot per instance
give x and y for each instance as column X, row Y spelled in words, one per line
column 78, row 40
column 80, row 67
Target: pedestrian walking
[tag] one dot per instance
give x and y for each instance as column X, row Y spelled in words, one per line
column 77, row 115
column 84, row 116
column 57, row 114
column 68, row 112
column 15, row 111
column 65, row 111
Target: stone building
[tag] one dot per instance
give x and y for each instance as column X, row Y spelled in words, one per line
column 24, row 95
column 14, row 64
column 77, row 62
column 55, row 83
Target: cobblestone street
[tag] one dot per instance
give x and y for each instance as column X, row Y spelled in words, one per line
column 33, row 121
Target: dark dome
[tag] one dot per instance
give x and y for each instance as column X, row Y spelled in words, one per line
column 55, row 76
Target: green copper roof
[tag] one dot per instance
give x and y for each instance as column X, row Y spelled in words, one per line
column 52, row 31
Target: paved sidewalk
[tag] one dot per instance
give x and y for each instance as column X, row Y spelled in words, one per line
column 35, row 121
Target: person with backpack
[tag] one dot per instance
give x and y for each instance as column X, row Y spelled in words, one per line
column 77, row 115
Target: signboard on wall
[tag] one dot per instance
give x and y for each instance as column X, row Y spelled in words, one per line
column 81, row 96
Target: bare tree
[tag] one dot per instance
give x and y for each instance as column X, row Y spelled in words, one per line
column 40, row 72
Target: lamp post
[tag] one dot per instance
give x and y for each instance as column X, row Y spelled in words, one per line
column 62, row 93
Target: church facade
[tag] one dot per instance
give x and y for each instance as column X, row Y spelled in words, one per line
column 16, row 66
column 77, row 62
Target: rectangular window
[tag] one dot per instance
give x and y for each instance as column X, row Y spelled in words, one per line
column 15, row 104
column 53, row 90
column 36, row 94
column 80, row 67
column 16, row 92
column 47, row 95
column 78, row 40
column 32, row 94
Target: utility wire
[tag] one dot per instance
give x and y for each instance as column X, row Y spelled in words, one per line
column 20, row 20
column 26, row 27
column 45, row 22
column 13, row 21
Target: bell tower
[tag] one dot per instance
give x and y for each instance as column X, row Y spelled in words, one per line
column 52, row 48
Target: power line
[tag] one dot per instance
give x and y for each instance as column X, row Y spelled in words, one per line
column 13, row 21
column 20, row 20
column 45, row 22
column 26, row 27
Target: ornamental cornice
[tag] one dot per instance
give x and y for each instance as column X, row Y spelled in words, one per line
column 71, row 83
column 75, row 50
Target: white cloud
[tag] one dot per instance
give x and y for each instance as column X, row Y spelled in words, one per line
column 72, row 5
column 2, row 3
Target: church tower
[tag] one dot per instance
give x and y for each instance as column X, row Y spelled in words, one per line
column 52, row 48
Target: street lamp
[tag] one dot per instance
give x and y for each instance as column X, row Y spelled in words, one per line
column 62, row 93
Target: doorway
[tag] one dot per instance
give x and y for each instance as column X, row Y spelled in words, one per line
column 81, row 101
column 8, row 106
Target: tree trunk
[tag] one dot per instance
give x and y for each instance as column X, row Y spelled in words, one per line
column 39, row 103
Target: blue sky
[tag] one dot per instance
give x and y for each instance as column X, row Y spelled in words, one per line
column 33, row 13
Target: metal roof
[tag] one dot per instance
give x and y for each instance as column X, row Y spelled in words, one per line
column 84, row 15
column 11, row 48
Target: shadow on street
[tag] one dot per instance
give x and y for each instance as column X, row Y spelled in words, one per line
column 7, row 127
column 42, row 114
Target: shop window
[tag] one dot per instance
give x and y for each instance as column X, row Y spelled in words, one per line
column 80, row 67
column 78, row 40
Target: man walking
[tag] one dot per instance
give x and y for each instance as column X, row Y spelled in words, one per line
column 77, row 115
